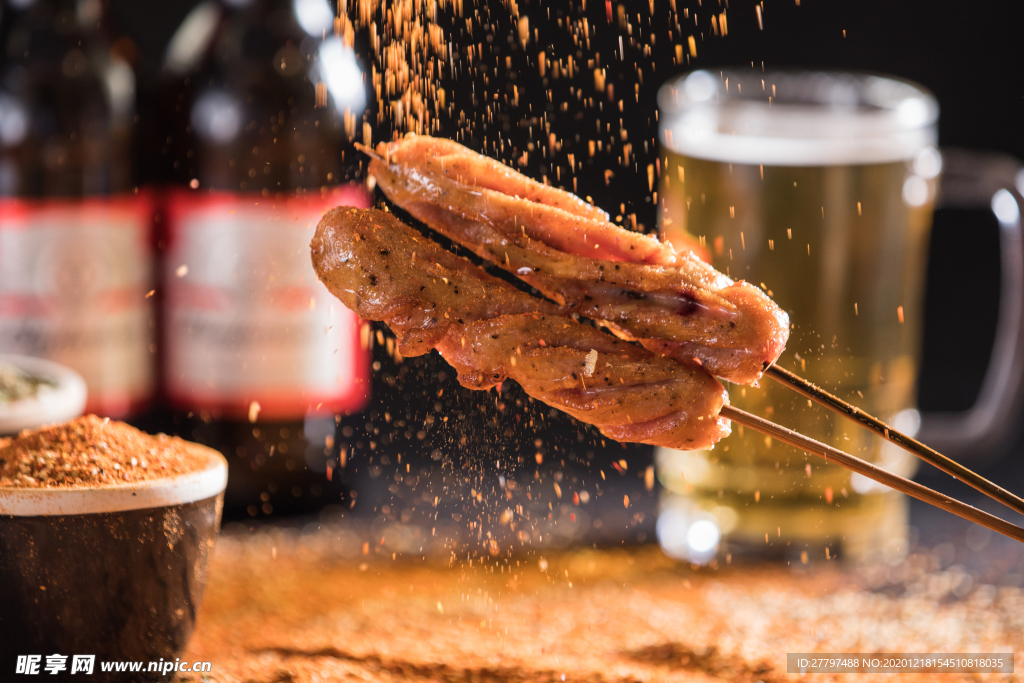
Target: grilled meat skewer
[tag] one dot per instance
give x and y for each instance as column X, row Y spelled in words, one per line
column 489, row 331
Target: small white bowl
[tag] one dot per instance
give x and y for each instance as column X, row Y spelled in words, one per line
column 63, row 401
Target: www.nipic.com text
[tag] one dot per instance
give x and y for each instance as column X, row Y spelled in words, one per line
column 34, row 665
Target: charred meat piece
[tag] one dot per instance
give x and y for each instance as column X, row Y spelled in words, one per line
column 639, row 288
column 490, row 331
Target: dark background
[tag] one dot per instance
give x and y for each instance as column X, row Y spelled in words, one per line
column 968, row 54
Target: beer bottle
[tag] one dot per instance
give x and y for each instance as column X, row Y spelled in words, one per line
column 261, row 102
column 76, row 253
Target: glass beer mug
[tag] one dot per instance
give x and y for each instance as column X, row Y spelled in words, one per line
column 820, row 188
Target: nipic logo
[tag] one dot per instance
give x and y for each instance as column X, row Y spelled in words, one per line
column 33, row 665
column 55, row 664
column 28, row 664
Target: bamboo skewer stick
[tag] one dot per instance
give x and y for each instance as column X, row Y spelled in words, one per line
column 925, row 453
column 874, row 472
column 922, row 451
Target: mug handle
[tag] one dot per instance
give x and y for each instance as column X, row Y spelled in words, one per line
column 973, row 180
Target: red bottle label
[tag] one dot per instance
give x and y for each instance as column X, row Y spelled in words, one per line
column 74, row 279
column 246, row 320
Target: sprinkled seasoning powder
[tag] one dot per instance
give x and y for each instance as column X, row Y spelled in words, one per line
column 410, row 49
column 92, row 451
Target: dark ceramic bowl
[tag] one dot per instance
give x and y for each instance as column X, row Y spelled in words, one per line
column 116, row 572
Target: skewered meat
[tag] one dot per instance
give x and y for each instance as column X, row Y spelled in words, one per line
column 639, row 288
column 489, row 331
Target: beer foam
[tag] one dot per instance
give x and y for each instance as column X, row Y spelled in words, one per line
column 818, row 119
column 152, row 493
column 780, row 150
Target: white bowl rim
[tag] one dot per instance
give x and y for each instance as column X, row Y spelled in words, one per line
column 63, row 402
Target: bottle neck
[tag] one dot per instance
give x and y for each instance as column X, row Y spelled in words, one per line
column 249, row 114
column 75, row 102
column 257, row 5
column 45, row 30
column 62, row 17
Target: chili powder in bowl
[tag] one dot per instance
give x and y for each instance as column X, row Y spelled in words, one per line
column 105, row 540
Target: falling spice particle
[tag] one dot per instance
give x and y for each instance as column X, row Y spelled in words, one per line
column 625, row 501
column 899, row 313
column 524, row 30
column 254, row 411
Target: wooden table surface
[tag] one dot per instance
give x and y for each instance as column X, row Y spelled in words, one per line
column 284, row 607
